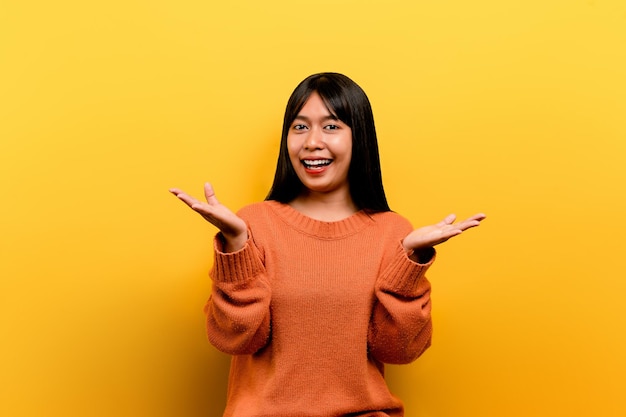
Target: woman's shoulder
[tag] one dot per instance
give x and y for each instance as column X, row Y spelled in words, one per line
column 261, row 208
column 392, row 220
column 389, row 217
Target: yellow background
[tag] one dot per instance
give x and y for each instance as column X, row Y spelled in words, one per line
column 514, row 108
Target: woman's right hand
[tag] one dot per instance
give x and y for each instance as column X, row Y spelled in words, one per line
column 232, row 227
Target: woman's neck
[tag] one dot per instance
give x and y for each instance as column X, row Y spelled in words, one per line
column 324, row 207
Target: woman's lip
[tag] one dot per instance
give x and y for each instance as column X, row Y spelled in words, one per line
column 315, row 171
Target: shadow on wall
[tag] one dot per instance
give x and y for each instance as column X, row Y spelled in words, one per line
column 407, row 385
column 206, row 380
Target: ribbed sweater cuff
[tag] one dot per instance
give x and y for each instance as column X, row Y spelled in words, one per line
column 402, row 275
column 238, row 266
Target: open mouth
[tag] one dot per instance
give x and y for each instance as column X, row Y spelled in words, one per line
column 316, row 163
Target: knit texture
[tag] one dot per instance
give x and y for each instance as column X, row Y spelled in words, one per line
column 310, row 311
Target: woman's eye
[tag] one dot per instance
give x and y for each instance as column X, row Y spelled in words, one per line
column 332, row 127
column 299, row 127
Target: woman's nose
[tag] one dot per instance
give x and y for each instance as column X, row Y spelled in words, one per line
column 314, row 140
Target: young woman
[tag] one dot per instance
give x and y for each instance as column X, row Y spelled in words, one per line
column 318, row 286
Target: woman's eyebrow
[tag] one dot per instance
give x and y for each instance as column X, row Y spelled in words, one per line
column 325, row 118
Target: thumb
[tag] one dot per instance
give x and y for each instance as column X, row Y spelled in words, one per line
column 209, row 193
column 450, row 218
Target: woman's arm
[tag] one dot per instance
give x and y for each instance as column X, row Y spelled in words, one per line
column 237, row 313
column 401, row 324
column 400, row 328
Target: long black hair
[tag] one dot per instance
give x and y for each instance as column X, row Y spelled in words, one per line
column 345, row 99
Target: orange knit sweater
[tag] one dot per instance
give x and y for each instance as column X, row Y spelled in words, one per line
column 311, row 310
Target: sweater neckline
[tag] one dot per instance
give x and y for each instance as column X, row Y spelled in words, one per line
column 319, row 228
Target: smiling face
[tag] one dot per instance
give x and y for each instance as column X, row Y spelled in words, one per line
column 320, row 149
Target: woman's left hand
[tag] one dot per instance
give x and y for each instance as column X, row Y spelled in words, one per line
column 429, row 236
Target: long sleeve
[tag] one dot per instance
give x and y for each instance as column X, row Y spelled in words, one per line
column 238, row 311
column 401, row 326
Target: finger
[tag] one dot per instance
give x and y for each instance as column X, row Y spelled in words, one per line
column 469, row 223
column 209, row 193
column 187, row 199
column 450, row 218
column 478, row 216
column 451, row 233
column 476, row 219
column 190, row 201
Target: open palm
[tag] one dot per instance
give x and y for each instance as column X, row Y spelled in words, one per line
column 233, row 228
column 435, row 234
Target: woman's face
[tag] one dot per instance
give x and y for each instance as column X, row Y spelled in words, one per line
column 320, row 148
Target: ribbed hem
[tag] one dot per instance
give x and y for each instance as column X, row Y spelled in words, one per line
column 238, row 266
column 321, row 229
column 402, row 275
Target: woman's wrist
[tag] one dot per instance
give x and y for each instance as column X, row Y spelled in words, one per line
column 421, row 255
column 234, row 243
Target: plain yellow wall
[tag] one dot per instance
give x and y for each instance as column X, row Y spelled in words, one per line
column 514, row 108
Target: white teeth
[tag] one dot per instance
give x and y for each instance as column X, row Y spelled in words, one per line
column 316, row 162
